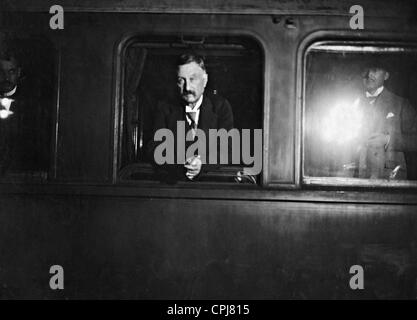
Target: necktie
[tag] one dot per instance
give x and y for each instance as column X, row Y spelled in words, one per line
column 192, row 116
column 371, row 100
column 372, row 97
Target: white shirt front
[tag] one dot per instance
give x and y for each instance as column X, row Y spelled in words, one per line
column 196, row 109
column 375, row 94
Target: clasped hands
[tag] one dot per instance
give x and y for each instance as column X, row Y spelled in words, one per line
column 193, row 166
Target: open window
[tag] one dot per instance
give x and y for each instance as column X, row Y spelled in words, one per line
column 148, row 75
column 360, row 116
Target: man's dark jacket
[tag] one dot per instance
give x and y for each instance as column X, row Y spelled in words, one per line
column 392, row 115
column 215, row 113
column 25, row 134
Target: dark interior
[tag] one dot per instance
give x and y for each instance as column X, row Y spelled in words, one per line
column 30, row 129
column 234, row 66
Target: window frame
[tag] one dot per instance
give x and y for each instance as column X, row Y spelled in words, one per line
column 49, row 176
column 119, row 102
column 342, row 38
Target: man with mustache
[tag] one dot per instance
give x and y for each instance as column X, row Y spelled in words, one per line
column 9, row 75
column 390, row 129
column 24, row 121
column 197, row 109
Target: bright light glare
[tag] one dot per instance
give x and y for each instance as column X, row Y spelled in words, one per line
column 5, row 103
column 343, row 123
column 4, row 114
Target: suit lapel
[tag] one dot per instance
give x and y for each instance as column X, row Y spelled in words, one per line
column 208, row 119
column 383, row 106
column 177, row 114
column 383, row 102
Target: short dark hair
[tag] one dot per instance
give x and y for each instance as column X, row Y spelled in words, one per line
column 378, row 63
column 9, row 54
column 189, row 57
column 377, row 67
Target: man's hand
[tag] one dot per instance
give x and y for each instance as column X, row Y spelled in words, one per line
column 193, row 166
column 378, row 140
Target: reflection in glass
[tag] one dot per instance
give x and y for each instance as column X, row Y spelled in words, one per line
column 26, row 104
column 360, row 115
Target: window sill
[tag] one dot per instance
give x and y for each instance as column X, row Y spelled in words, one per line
column 341, row 182
column 136, row 172
column 201, row 190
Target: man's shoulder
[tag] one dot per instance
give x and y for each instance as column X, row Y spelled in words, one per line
column 393, row 99
column 393, row 96
column 215, row 98
column 217, row 102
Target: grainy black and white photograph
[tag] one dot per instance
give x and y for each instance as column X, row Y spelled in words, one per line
column 208, row 150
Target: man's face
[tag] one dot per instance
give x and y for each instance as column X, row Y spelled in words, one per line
column 9, row 75
column 191, row 80
column 374, row 78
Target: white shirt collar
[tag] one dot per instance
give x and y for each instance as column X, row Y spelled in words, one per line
column 10, row 93
column 376, row 94
column 196, row 109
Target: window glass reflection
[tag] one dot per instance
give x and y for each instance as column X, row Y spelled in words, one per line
column 360, row 115
column 26, row 104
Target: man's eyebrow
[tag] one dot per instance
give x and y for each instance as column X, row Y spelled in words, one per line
column 196, row 74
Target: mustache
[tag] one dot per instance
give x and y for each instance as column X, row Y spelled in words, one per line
column 6, row 83
column 185, row 92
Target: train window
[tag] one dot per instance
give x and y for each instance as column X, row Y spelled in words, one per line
column 149, row 80
column 360, row 116
column 27, row 82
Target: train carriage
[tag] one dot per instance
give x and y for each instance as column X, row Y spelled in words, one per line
column 91, row 202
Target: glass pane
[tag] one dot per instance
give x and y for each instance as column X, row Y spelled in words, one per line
column 360, row 112
column 27, row 95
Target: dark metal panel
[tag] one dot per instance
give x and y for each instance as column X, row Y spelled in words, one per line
column 190, row 249
column 321, row 7
column 85, row 139
column 212, row 191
